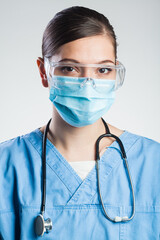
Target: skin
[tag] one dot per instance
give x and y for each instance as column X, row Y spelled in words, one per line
column 78, row 144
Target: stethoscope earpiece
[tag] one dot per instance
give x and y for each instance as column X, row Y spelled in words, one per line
column 42, row 226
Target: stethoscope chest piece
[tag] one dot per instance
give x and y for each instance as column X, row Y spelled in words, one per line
column 42, row 226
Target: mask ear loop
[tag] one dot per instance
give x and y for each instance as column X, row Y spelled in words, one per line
column 47, row 67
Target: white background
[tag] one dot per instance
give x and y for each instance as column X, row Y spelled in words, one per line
column 24, row 103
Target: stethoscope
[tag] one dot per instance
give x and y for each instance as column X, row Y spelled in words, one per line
column 45, row 225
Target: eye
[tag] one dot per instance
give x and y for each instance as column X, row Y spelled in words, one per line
column 105, row 70
column 67, row 69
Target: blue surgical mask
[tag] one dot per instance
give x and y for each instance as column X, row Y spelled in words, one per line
column 81, row 101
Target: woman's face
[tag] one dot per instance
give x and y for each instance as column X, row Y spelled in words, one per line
column 90, row 50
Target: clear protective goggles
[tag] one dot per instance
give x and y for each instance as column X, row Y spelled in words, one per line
column 86, row 72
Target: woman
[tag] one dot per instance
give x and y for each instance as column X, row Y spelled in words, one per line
column 83, row 200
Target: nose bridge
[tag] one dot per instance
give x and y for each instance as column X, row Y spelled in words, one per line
column 87, row 72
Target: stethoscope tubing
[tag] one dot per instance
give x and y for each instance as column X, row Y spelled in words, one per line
column 124, row 157
column 119, row 219
column 44, row 168
column 47, row 224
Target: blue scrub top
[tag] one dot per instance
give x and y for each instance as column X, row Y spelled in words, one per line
column 72, row 204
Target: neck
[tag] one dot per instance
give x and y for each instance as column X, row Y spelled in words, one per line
column 78, row 143
column 70, row 137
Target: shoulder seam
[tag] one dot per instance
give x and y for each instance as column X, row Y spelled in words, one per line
column 133, row 144
column 33, row 146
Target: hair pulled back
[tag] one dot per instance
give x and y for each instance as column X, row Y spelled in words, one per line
column 74, row 23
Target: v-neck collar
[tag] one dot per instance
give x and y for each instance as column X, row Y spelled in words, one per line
column 66, row 163
column 81, row 190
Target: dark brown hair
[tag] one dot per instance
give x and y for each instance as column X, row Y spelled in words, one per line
column 74, row 23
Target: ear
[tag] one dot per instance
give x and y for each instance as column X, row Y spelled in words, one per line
column 40, row 64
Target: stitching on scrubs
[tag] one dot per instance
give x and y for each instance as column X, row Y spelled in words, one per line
column 61, row 158
column 92, row 196
column 33, row 145
column 67, row 164
column 147, row 208
column 31, row 142
column 10, row 140
column 88, row 180
column 73, row 207
column 122, row 226
column 110, row 152
column 115, row 165
column 52, row 147
column 141, row 209
column 127, row 150
column 64, row 162
column 103, row 157
column 7, row 211
column 60, row 178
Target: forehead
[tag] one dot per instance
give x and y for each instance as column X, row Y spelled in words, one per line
column 87, row 50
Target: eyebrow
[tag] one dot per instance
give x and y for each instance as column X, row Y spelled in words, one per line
column 75, row 61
